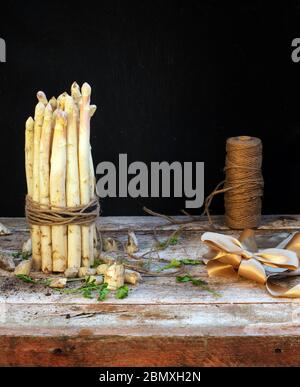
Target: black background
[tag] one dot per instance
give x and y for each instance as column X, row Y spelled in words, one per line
column 172, row 80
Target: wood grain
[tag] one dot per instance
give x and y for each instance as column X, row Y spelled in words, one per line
column 161, row 322
column 146, row 223
column 89, row 350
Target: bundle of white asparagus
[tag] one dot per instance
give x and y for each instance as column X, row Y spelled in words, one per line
column 60, row 172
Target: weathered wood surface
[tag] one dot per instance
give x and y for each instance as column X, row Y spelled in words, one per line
column 161, row 322
column 146, row 223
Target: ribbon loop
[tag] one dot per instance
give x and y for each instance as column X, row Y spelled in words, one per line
column 229, row 256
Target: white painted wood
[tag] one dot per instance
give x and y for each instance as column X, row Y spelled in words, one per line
column 146, row 223
column 158, row 305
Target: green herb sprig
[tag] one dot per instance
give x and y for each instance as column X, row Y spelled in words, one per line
column 171, row 241
column 175, row 263
column 20, row 254
column 87, row 290
column 122, row 292
column 26, row 278
column 103, row 292
column 197, row 282
column 97, row 262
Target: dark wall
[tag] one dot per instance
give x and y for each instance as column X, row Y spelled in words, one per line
column 172, row 80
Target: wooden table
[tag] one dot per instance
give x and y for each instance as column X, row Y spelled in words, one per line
column 161, row 322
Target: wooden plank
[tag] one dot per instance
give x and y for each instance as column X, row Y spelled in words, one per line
column 87, row 349
column 161, row 322
column 147, row 223
column 154, row 320
column 153, row 291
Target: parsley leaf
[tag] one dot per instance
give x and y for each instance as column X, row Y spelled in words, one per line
column 197, row 282
column 187, row 261
column 175, row 263
column 97, row 262
column 122, row 292
column 26, row 278
column 20, row 254
column 103, row 292
column 172, row 240
column 183, row 278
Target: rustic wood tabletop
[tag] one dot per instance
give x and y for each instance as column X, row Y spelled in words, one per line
column 161, row 322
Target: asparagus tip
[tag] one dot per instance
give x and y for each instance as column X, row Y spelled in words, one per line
column 93, row 109
column 86, row 89
column 41, row 96
column 53, row 103
column 62, row 96
column 74, row 85
column 29, row 122
column 69, row 104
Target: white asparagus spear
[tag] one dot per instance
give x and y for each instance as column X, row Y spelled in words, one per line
column 93, row 109
column 61, row 100
column 29, row 134
column 35, row 234
column 75, row 92
column 84, row 166
column 54, row 118
column 41, row 96
column 72, row 182
column 53, row 103
column 92, row 230
column 92, row 184
column 45, row 151
column 57, row 190
column 76, row 95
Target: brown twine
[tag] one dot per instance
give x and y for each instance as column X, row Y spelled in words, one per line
column 45, row 215
column 243, row 184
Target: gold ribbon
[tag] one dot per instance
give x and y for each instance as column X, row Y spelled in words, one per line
column 229, row 256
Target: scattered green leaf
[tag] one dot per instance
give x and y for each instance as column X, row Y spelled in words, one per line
column 21, row 254
column 26, row 278
column 89, row 287
column 103, row 292
column 97, row 262
column 187, row 261
column 197, row 282
column 183, row 278
column 175, row 263
column 89, row 281
column 172, row 240
column 122, row 292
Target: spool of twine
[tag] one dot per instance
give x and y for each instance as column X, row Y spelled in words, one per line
column 243, row 186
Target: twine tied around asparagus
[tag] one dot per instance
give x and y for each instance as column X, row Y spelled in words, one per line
column 46, row 215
